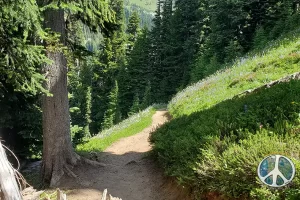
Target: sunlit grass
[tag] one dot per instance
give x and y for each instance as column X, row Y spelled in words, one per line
column 281, row 59
column 146, row 4
column 126, row 128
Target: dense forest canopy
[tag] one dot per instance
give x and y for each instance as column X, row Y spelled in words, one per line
column 118, row 62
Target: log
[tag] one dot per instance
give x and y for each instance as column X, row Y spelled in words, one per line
column 9, row 189
column 295, row 76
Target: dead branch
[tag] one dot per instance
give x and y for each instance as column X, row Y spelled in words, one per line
column 295, row 76
column 9, row 189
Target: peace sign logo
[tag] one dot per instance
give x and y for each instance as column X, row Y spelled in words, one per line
column 276, row 171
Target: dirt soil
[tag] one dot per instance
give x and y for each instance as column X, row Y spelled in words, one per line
column 129, row 174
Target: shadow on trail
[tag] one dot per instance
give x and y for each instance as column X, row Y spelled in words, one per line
column 132, row 176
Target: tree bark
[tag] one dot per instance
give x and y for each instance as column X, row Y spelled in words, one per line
column 58, row 153
column 9, row 189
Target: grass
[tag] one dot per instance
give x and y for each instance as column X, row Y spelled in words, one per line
column 126, row 128
column 52, row 194
column 246, row 73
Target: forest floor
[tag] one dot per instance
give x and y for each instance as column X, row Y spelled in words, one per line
column 128, row 172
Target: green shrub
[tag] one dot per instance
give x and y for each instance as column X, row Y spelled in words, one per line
column 260, row 39
column 77, row 134
column 233, row 169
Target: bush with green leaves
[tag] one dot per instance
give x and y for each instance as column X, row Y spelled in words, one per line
column 230, row 167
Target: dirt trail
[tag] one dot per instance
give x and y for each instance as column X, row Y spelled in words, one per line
column 129, row 174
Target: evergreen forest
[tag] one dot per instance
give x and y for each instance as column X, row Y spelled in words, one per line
column 75, row 70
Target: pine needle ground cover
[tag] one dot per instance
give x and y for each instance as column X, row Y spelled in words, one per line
column 216, row 139
column 131, row 126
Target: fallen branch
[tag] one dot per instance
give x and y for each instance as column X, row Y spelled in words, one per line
column 92, row 162
column 295, row 76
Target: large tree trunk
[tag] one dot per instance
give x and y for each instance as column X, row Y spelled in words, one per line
column 9, row 189
column 58, row 153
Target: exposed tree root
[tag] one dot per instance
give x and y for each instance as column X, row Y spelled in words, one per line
column 69, row 172
column 67, row 169
column 92, row 162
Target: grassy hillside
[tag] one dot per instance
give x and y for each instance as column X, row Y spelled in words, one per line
column 217, row 138
column 146, row 4
column 133, row 125
column 247, row 73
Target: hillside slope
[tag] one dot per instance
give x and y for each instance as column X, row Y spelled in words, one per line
column 217, row 139
column 146, row 4
column 247, row 73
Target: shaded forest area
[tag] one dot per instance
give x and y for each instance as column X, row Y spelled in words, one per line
column 114, row 69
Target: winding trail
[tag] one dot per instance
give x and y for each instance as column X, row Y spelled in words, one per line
column 128, row 173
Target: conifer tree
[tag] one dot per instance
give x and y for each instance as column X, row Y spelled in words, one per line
column 79, row 84
column 21, row 58
column 187, row 31
column 88, row 102
column 137, row 72
column 126, row 76
column 135, row 108
column 260, row 38
column 112, row 114
column 58, row 153
column 119, row 37
column 168, row 74
column 110, row 62
column 155, row 58
column 233, row 51
column 147, row 96
column 133, row 30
